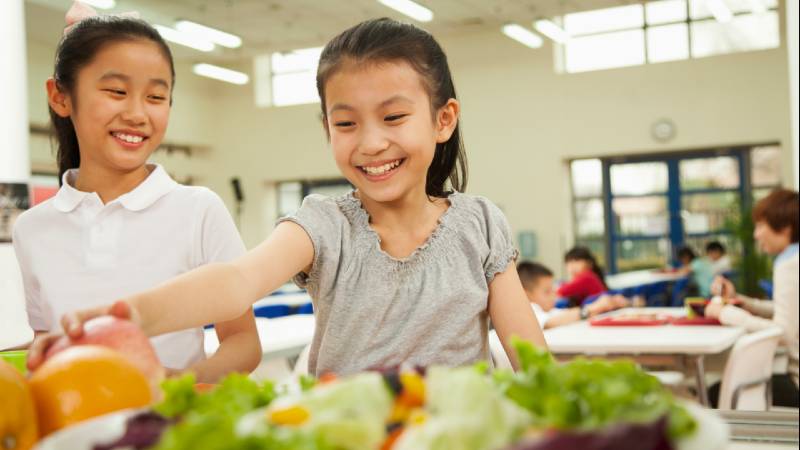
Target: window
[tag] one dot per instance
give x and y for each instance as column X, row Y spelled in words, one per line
column 741, row 34
column 289, row 78
column 292, row 193
column 665, row 30
column 290, row 197
column 588, row 215
column 765, row 170
column 650, row 205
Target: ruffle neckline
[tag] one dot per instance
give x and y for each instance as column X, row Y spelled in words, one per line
column 352, row 207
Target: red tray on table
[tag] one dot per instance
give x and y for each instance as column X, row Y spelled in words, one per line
column 694, row 321
column 648, row 320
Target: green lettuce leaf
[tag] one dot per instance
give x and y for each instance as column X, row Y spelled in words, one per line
column 588, row 394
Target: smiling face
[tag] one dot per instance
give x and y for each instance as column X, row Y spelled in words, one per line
column 381, row 128
column 120, row 105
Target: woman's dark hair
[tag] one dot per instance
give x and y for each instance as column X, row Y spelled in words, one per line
column 584, row 254
column 75, row 51
column 386, row 40
column 780, row 209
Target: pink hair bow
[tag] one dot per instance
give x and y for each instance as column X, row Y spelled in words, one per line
column 80, row 11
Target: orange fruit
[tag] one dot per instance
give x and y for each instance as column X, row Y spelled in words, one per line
column 83, row 382
column 18, row 428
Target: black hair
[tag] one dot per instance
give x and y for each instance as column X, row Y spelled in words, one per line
column 76, row 49
column 686, row 252
column 387, row 40
column 584, row 254
column 530, row 273
column 715, row 246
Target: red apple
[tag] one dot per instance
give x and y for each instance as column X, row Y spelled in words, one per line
column 121, row 335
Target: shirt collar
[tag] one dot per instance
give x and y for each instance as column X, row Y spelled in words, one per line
column 155, row 186
column 788, row 252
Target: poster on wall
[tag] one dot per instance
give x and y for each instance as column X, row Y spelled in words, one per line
column 14, row 199
column 43, row 187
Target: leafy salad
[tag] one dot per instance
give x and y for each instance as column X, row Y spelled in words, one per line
column 545, row 405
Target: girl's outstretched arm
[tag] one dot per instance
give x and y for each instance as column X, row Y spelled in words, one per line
column 511, row 313
column 214, row 292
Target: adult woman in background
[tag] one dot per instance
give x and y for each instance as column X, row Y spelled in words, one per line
column 776, row 231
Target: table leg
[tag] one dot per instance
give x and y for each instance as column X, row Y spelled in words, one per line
column 700, row 374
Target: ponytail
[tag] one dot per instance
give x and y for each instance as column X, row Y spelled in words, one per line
column 68, row 155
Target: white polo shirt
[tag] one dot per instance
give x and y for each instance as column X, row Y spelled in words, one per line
column 75, row 252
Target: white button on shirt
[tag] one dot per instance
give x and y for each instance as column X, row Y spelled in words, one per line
column 76, row 253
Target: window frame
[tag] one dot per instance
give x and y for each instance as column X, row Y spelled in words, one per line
column 561, row 48
column 676, row 234
column 306, row 186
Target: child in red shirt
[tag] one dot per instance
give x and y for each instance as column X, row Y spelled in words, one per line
column 586, row 276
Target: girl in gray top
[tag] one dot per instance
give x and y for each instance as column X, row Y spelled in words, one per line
column 404, row 269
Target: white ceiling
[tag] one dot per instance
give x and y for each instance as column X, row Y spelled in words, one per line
column 281, row 25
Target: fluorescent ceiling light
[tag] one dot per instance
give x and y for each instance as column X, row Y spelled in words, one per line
column 551, row 30
column 220, row 73
column 409, row 8
column 522, row 35
column 102, row 4
column 185, row 39
column 211, row 34
column 720, row 11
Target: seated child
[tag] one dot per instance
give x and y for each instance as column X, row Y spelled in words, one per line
column 585, row 276
column 537, row 280
column 699, row 269
column 720, row 262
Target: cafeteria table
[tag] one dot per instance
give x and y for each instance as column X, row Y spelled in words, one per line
column 627, row 280
column 686, row 344
column 282, row 337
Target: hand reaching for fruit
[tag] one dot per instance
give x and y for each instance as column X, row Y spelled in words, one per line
column 118, row 334
column 72, row 324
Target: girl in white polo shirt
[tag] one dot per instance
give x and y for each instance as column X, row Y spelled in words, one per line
column 119, row 225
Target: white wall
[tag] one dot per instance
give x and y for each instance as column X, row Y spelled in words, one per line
column 791, row 40
column 521, row 122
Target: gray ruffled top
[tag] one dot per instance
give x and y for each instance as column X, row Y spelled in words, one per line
column 376, row 311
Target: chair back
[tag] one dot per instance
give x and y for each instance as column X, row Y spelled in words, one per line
column 301, row 365
column 746, row 380
column 499, row 357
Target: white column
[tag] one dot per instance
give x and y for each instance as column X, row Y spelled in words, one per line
column 14, row 161
column 791, row 45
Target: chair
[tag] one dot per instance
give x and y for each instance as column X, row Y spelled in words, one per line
column 307, row 308
column 562, row 303
column 679, row 288
column 301, row 364
column 766, row 286
column 271, row 311
column 593, row 298
column 747, row 377
column 657, row 294
column 498, row 353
